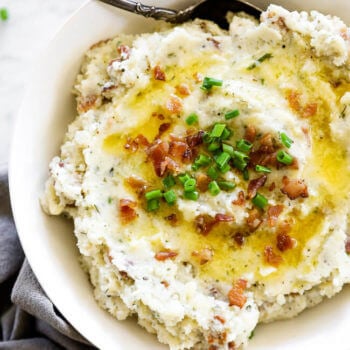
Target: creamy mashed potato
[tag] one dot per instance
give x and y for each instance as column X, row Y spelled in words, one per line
column 207, row 174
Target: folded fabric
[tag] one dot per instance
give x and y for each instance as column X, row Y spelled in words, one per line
column 28, row 319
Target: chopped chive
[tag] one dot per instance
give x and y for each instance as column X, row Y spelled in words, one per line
column 244, row 145
column 217, row 130
column 169, row 181
column 226, row 185
column 259, row 201
column 284, row 157
column 110, row 200
column 213, row 173
column 286, row 140
column 195, row 167
column 224, row 169
column 215, row 145
column 259, row 60
column 153, row 204
column 208, row 83
column 183, row 178
column 232, row 114
column 214, row 188
column 262, row 169
column 156, row 194
column 245, row 174
column 240, row 156
column 239, row 164
column 170, row 197
column 202, row 160
column 190, row 185
column 191, row 119
column 226, row 134
column 223, row 159
column 228, row 149
column 207, row 138
column 251, row 335
column 194, row 195
column 4, row 14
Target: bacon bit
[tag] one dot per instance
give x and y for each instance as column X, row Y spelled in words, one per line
column 306, row 132
column 295, row 164
column 133, row 144
column 262, row 158
column 165, row 254
column 162, row 129
column 124, row 52
column 183, row 89
column 178, row 149
column 169, row 164
column 273, row 212
column 272, row 186
column 231, row 345
column 254, row 219
column 160, row 116
column 240, row 199
column 124, row 275
column 165, row 284
column 347, row 245
column 204, row 255
column 204, row 224
column 284, row 242
column 215, row 42
column 139, row 185
column 86, row 103
column 239, row 238
column 309, row 110
column 158, row 73
column 236, row 296
column 195, row 140
column 255, row 184
column 172, row 218
column 284, row 227
column 250, row 133
column 202, row 182
column 174, row 104
column 224, row 218
column 294, row 188
column 213, row 347
column 220, row 319
column 271, row 257
column 267, row 144
column 157, row 152
column 293, row 98
column 127, row 211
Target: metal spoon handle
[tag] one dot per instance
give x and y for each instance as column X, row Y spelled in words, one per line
column 151, row 11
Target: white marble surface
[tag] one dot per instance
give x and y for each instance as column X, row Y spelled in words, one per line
column 30, row 26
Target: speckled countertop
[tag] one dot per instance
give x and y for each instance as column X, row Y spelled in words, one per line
column 30, row 26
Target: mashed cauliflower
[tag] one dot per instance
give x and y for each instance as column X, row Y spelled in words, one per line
column 207, row 174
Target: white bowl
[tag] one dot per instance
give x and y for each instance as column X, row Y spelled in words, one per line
column 49, row 243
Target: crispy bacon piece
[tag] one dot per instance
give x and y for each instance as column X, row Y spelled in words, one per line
column 133, row 144
column 272, row 186
column 162, row 129
column 309, row 110
column 138, row 185
column 250, row 133
column 203, row 182
column 183, row 89
column 168, row 164
column 239, row 238
column 174, row 104
column 267, row 144
column 236, row 296
column 293, row 98
column 224, row 218
column 157, row 153
column 220, row 319
column 273, row 212
column 158, row 73
column 271, row 257
column 284, row 242
column 127, row 211
column 347, row 245
column 231, row 345
column 262, row 158
column 178, row 149
column 215, row 42
column 165, row 254
column 195, row 140
column 86, row 103
column 124, row 52
column 254, row 219
column 205, row 255
column 204, row 224
column 294, row 188
column 240, row 199
column 255, row 184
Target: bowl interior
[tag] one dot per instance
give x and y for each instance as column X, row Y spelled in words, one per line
column 49, row 243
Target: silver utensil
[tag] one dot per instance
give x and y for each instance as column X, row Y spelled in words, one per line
column 214, row 10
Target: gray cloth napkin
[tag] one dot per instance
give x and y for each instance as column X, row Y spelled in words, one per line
column 28, row 319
